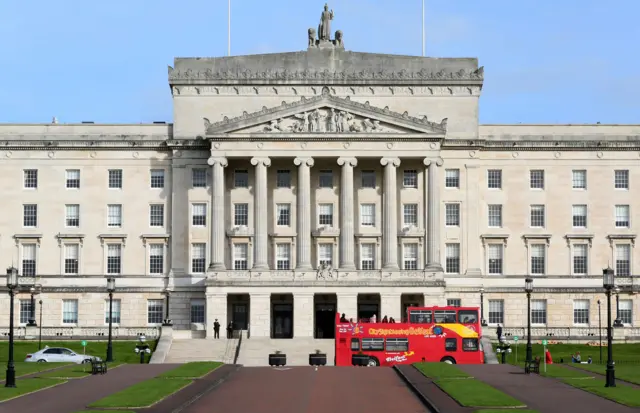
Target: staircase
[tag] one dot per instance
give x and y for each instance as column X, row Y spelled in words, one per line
column 255, row 351
column 185, row 351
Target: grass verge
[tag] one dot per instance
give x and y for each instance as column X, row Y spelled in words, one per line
column 193, row 370
column 27, row 386
column 625, row 353
column 25, row 369
column 464, row 389
column 76, row 371
column 122, row 350
column 143, row 394
column 623, row 372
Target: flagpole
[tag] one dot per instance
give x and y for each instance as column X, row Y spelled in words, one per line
column 229, row 29
column 422, row 28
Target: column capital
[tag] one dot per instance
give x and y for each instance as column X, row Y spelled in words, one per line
column 390, row 161
column 261, row 160
column 353, row 162
column 219, row 160
column 438, row 161
column 307, row 161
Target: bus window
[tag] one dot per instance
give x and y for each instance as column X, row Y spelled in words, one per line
column 470, row 344
column 373, row 344
column 397, row 344
column 468, row 316
column 450, row 344
column 445, row 316
column 420, row 316
column 355, row 344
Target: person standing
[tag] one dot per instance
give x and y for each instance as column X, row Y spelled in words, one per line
column 499, row 333
column 216, row 329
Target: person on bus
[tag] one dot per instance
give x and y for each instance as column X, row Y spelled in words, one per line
column 392, row 320
column 384, row 319
column 372, row 319
column 343, row 318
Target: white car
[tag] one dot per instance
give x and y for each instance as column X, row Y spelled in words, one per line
column 58, row 355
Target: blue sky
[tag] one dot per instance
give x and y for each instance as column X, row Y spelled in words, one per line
column 567, row 61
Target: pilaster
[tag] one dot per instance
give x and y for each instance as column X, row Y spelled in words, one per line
column 260, row 315
column 347, row 241
column 303, row 309
column 348, row 305
column 471, row 247
column 304, row 213
column 216, row 307
column 391, row 306
column 178, row 212
column 261, row 200
column 390, row 211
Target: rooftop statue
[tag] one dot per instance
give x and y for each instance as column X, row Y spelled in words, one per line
column 324, row 28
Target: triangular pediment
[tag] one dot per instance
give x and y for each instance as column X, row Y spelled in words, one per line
column 325, row 114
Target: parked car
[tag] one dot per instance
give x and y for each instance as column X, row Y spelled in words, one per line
column 58, row 355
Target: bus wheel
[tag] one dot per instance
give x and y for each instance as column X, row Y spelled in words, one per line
column 372, row 362
column 448, row 360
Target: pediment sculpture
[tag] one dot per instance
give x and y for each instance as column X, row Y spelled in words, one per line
column 325, row 120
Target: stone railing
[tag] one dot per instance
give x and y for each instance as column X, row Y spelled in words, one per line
column 326, row 275
column 563, row 333
column 95, row 333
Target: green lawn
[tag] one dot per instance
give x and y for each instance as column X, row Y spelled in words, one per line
column 123, row 351
column 24, row 369
column 75, row 371
column 558, row 371
column 25, row 386
column 466, row 390
column 191, row 370
column 142, row 394
column 625, row 372
column 622, row 352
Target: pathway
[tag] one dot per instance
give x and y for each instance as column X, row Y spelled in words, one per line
column 545, row 395
column 76, row 394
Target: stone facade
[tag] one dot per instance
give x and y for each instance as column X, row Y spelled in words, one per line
column 300, row 183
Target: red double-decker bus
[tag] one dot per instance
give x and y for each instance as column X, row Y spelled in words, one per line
column 433, row 334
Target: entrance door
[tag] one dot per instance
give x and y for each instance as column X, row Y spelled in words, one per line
column 325, row 321
column 240, row 316
column 366, row 311
column 282, row 321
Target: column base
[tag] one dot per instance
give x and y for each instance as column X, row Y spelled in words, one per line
column 216, row 266
column 262, row 267
column 391, row 267
column 304, row 268
column 347, row 267
column 473, row 272
column 434, row 267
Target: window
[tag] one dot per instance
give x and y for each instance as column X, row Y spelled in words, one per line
column 115, row 179
column 156, row 258
column 452, row 258
column 580, row 264
column 536, row 179
column 326, row 179
column 625, row 311
column 72, row 216
column 470, row 344
column 452, row 215
column 30, row 215
column 397, row 344
column 420, row 316
column 73, row 178
column 284, row 215
column 240, row 253
column 444, row 316
column 410, row 178
column 623, row 260
column 325, row 254
column 25, row 311
column 71, row 259
column 29, row 260
column 156, row 215
column 581, row 312
column 368, row 179
column 199, row 215
column 114, row 259
column 622, row 216
column 454, row 302
column 199, row 178
column 367, row 257
column 538, row 259
column 155, row 311
column 114, row 216
column 496, row 311
column 30, row 178
column 495, row 252
column 157, row 178
column 579, row 179
column 115, row 311
column 198, row 258
column 537, row 216
column 621, row 179
column 452, row 178
column 197, row 311
column 368, row 215
column 283, row 178
column 451, row 344
column 373, row 344
column 579, row 213
column 283, row 256
column 69, row 311
column 241, row 178
column 241, row 214
column 410, row 215
column 538, row 311
column 410, row 256
column 494, row 179
column 494, row 216
column 325, row 214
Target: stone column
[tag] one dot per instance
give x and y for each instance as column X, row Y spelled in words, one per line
column 216, row 306
column 348, row 305
column 347, row 255
column 179, row 224
column 260, row 208
column 433, row 215
column 303, row 310
column 217, row 219
column 390, row 217
column 390, row 306
column 304, row 213
column 260, row 315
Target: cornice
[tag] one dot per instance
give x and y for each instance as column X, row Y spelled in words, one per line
column 555, row 143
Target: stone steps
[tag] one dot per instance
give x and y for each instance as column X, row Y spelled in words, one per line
column 184, row 351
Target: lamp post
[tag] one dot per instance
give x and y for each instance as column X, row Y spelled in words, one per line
column 40, row 332
column 167, row 321
column 608, row 281
column 618, row 321
column 483, row 322
column 12, row 284
column 600, row 328
column 111, row 287
column 32, row 309
column 528, row 287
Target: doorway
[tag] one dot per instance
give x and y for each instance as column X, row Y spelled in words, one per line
column 240, row 316
column 368, row 306
column 410, row 300
column 325, row 307
column 282, row 316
